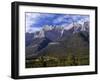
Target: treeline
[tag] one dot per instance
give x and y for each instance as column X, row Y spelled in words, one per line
column 48, row 61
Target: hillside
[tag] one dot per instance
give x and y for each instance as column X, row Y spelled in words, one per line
column 59, row 49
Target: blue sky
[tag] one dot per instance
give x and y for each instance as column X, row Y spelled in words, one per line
column 35, row 21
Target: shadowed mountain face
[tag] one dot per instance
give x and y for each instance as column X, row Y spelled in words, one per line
column 29, row 38
column 58, row 42
column 53, row 34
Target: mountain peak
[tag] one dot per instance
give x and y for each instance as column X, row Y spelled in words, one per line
column 55, row 32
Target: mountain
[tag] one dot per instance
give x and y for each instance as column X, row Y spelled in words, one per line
column 86, row 26
column 57, row 41
column 28, row 38
column 72, row 45
column 54, row 33
column 39, row 34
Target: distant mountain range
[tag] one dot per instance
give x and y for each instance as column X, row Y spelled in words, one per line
column 57, row 40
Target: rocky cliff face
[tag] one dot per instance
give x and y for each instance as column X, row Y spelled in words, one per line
column 57, row 40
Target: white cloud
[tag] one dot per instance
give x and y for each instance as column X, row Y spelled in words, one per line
column 64, row 18
column 33, row 29
column 57, row 20
column 64, row 25
column 60, row 19
column 31, row 19
column 32, row 15
column 84, row 20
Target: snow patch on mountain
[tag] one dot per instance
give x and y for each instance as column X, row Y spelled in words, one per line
column 57, row 31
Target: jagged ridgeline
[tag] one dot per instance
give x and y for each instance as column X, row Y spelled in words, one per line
column 58, row 46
